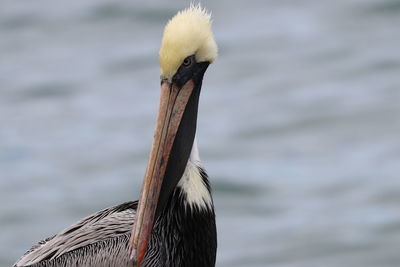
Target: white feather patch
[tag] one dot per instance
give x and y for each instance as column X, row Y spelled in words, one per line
column 192, row 184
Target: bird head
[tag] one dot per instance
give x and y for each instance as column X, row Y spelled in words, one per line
column 187, row 34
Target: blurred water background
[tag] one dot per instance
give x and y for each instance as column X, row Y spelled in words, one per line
column 298, row 123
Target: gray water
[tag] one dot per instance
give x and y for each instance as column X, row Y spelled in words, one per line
column 298, row 123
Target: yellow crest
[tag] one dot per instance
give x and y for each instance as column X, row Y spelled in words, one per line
column 187, row 33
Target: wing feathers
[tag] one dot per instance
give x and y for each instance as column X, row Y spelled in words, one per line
column 104, row 232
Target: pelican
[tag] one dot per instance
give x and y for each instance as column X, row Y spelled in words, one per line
column 173, row 223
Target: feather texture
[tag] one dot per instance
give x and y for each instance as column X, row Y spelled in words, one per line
column 183, row 235
column 100, row 239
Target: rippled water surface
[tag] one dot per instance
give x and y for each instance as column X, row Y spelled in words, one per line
column 298, row 123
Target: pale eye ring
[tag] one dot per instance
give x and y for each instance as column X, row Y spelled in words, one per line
column 187, row 61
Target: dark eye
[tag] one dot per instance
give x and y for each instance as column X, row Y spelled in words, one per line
column 187, row 61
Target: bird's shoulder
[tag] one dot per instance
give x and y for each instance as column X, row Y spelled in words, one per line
column 106, row 227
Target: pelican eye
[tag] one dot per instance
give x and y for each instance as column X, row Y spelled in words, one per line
column 187, row 61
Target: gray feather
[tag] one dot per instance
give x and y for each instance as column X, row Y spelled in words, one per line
column 100, row 239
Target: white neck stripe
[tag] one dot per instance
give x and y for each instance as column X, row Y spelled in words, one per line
column 192, row 184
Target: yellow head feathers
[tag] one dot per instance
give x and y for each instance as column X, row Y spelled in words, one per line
column 187, row 33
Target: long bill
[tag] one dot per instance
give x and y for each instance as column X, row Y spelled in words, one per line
column 173, row 102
